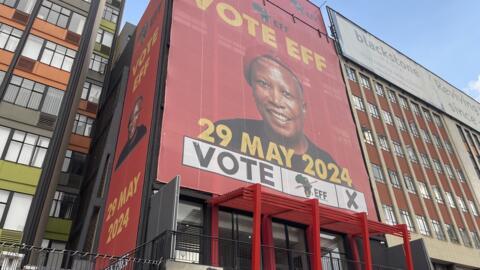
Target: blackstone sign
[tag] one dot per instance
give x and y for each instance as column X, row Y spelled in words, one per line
column 378, row 57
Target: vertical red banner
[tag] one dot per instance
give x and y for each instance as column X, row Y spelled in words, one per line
column 122, row 209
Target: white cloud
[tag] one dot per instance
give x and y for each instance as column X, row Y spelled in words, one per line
column 473, row 88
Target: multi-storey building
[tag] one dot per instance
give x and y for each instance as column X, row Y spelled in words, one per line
column 422, row 160
column 54, row 55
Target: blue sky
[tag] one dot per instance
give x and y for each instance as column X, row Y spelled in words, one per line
column 442, row 35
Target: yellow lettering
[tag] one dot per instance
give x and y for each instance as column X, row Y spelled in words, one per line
column 135, row 182
column 288, row 154
column 254, row 148
column 237, row 18
column 203, row 4
column 292, row 48
column 251, row 25
column 273, row 153
column 307, row 55
column 319, row 62
column 130, row 190
column 122, row 199
column 141, row 75
column 268, row 36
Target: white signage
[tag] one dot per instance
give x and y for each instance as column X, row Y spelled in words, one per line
column 208, row 157
column 378, row 57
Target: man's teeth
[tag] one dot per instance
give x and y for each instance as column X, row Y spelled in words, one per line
column 279, row 116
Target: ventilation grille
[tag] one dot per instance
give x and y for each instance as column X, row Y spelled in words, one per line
column 20, row 17
column 73, row 38
column 10, row 236
column 47, row 121
column 25, row 64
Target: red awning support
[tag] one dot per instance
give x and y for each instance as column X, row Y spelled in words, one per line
column 316, row 244
column 406, row 246
column 257, row 223
column 367, row 253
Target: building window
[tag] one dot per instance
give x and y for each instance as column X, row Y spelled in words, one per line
column 397, row 149
column 427, row 115
column 91, row 92
column 63, row 205
column 49, row 53
column 437, row 194
column 74, row 162
column 373, row 110
column 383, row 143
column 22, row 5
column 61, row 17
column 461, row 203
column 436, row 140
column 110, row 14
column 449, row 147
column 438, row 230
column 58, row 56
column 104, row 37
column 98, row 63
column 9, row 37
column 27, row 148
column 391, row 96
column 387, row 117
column 449, row 171
column 358, row 103
column 425, row 136
column 452, row 234
column 465, row 238
column 407, row 220
column 415, row 109
column 33, row 95
column 15, row 211
column 394, row 179
column 82, row 125
column 2, row 75
column 437, row 120
column 377, row 173
column 352, row 76
column 367, row 135
column 476, row 239
column 54, row 14
column 364, row 81
column 461, row 175
column 414, row 129
column 438, row 167
column 389, row 215
column 411, row 154
column 409, row 184
column 473, row 208
column 424, row 190
column 422, row 226
column 425, row 160
column 379, row 89
column 403, row 102
column 401, row 124
column 450, row 200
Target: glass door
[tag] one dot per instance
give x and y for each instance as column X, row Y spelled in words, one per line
column 234, row 245
column 290, row 247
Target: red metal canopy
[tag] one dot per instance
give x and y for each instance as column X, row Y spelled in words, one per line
column 260, row 201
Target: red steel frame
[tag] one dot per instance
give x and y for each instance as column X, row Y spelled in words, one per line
column 266, row 205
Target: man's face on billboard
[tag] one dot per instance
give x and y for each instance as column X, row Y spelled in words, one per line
column 278, row 97
column 132, row 121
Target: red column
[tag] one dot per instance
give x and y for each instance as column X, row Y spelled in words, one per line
column 214, row 247
column 406, row 247
column 354, row 247
column 367, row 255
column 256, row 238
column 316, row 244
column 267, row 238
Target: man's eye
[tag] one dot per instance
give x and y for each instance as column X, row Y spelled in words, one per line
column 263, row 83
column 286, row 94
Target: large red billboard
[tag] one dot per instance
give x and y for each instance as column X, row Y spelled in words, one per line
column 122, row 208
column 255, row 95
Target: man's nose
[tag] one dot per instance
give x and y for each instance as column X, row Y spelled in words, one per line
column 276, row 97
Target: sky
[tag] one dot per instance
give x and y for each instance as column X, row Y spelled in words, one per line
column 441, row 35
